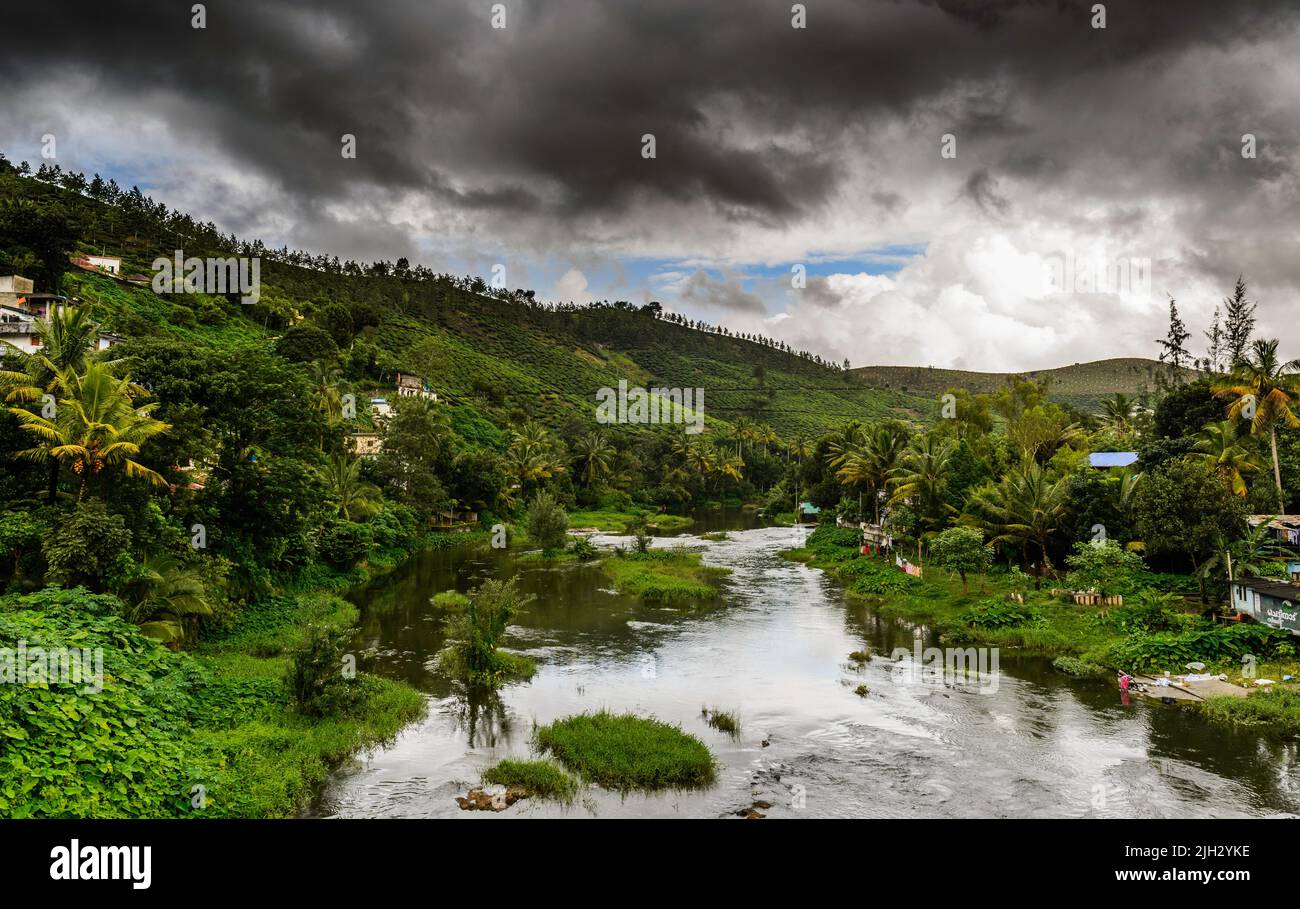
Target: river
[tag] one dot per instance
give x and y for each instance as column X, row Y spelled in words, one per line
column 1023, row 741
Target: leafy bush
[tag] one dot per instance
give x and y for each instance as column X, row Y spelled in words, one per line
column 475, row 631
column 344, row 544
column 1149, row 612
column 584, row 549
column 90, row 549
column 995, row 613
column 321, row 678
column 1079, row 668
column 1106, row 567
column 875, row 577
column 69, row 751
column 546, row 521
column 1209, row 644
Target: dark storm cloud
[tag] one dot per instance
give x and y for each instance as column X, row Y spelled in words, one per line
column 546, row 116
column 982, row 188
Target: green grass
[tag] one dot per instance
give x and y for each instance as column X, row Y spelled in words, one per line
column 621, row 521
column 625, row 752
column 664, row 576
column 1277, row 710
column 722, row 720
column 540, row 779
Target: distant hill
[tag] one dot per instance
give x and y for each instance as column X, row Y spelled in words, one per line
column 1083, row 385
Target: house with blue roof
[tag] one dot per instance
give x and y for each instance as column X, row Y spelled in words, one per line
column 1104, row 459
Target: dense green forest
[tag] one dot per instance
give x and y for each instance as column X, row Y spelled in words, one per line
column 189, row 499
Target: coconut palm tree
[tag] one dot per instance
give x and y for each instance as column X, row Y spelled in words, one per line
column 742, row 430
column 595, row 456
column 799, row 448
column 533, row 457
column 1026, row 507
column 357, row 499
column 1117, row 413
column 921, row 478
column 67, row 338
column 325, row 378
column 1248, row 557
column 872, row 464
column 1222, row 447
column 95, row 427
column 1266, row 391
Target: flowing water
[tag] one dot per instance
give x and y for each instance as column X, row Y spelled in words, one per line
column 1020, row 741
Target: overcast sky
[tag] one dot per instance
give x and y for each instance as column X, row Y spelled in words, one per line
column 1076, row 149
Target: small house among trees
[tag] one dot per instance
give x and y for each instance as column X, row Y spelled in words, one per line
column 409, row 386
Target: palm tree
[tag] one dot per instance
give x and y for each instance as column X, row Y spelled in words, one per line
column 595, row 455
column 1266, row 389
column 325, row 378
column 799, row 448
column 357, row 498
column 699, row 458
column 95, row 427
column 67, row 337
column 165, row 597
column 1248, row 557
column 742, row 430
column 1222, row 447
column 839, row 444
column 921, row 478
column 1117, row 412
column 1026, row 507
column 533, row 456
column 874, row 462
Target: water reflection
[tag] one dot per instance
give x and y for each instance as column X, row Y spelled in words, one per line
column 776, row 653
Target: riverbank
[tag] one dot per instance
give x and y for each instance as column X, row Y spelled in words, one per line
column 208, row 733
column 1148, row 634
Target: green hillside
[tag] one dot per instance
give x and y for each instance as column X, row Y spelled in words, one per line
column 498, row 352
column 1082, row 385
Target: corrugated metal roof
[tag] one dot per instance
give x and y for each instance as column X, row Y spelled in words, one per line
column 1112, row 458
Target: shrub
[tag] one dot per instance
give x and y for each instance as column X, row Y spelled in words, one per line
column 91, row 548
column 344, row 544
column 476, row 629
column 1209, row 644
column 1106, row 567
column 1150, row 611
column 321, row 676
column 546, row 521
column 995, row 613
column 584, row 549
column 641, row 538
column 1079, row 668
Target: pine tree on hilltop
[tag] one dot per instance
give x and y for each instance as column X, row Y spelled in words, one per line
column 1174, row 346
column 1238, row 324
